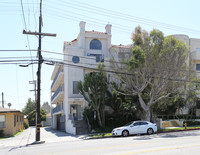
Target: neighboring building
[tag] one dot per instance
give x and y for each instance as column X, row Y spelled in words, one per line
column 48, row 120
column 193, row 59
column 194, row 50
column 11, row 121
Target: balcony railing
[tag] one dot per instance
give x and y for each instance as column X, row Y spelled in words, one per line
column 56, row 77
column 58, row 108
column 60, row 89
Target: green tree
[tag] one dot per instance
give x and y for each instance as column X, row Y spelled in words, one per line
column 46, row 107
column 30, row 106
column 94, row 90
column 156, row 64
column 169, row 105
column 32, row 115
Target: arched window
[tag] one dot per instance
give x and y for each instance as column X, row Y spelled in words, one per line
column 95, row 44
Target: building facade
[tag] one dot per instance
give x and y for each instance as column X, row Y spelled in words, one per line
column 81, row 56
column 11, row 121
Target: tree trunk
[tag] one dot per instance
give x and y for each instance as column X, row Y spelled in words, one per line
column 99, row 118
column 147, row 116
column 103, row 117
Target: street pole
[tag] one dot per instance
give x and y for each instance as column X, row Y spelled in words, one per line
column 40, row 61
column 39, row 77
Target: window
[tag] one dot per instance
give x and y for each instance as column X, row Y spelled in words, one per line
column 136, row 124
column 95, row 44
column 14, row 120
column 143, row 123
column 75, row 89
column 197, row 67
column 2, row 121
column 99, row 57
column 198, row 49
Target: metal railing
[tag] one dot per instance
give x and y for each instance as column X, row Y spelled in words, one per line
column 58, row 72
column 60, row 89
column 58, row 108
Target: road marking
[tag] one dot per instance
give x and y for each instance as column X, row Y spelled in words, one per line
column 96, row 148
column 161, row 149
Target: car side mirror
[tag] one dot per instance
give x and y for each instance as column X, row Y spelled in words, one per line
column 131, row 125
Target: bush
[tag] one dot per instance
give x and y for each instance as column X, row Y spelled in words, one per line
column 192, row 123
column 26, row 124
column 1, row 134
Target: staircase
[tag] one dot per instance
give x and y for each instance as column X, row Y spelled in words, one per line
column 81, row 127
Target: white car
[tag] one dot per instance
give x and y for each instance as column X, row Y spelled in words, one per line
column 136, row 127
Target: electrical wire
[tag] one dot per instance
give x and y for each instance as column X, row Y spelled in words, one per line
column 80, row 6
column 27, row 36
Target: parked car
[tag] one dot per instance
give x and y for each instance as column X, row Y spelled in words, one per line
column 136, row 127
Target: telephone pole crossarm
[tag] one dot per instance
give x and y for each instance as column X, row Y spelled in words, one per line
column 37, row 33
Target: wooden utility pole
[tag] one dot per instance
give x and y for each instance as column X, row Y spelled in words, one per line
column 40, row 61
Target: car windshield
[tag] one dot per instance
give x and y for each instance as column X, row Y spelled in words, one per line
column 128, row 124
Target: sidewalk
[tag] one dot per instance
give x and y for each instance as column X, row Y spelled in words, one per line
column 47, row 134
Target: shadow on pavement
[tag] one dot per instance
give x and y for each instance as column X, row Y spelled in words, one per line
column 58, row 133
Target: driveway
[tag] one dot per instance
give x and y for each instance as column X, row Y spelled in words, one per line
column 28, row 137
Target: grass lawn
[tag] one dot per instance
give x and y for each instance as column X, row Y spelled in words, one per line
column 181, row 128
column 18, row 133
column 160, row 130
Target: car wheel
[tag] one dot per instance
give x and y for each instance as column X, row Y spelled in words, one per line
column 150, row 131
column 125, row 133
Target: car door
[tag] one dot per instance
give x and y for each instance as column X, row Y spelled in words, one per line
column 143, row 127
column 135, row 128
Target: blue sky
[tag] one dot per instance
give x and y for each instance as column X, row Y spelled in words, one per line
column 62, row 17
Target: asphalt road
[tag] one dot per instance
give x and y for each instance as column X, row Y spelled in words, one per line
column 183, row 143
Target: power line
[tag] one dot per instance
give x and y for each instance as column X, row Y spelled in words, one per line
column 18, row 50
column 115, row 14
column 84, row 57
column 27, row 35
column 117, row 72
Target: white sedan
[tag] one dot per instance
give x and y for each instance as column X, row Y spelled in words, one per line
column 136, row 127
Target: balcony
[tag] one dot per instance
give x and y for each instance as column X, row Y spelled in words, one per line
column 195, row 56
column 59, row 79
column 58, row 95
column 58, row 109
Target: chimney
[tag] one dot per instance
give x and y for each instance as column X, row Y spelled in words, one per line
column 108, row 28
column 82, row 27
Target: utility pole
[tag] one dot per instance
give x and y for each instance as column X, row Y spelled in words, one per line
column 40, row 61
column 2, row 100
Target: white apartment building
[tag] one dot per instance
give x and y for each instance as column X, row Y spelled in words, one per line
column 194, row 58
column 194, row 50
column 80, row 56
